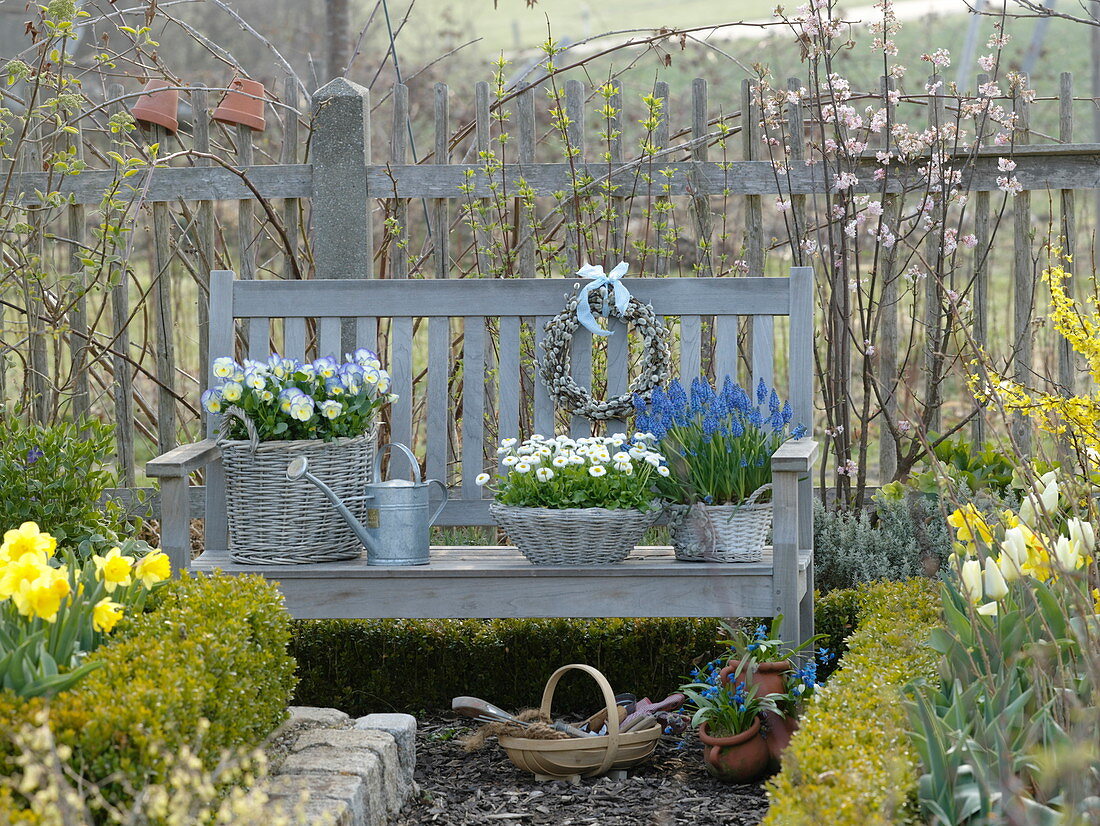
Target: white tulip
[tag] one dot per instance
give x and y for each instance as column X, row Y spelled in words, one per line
column 1083, row 534
column 1015, row 545
column 995, row 585
column 1067, row 554
column 971, row 577
column 988, row 610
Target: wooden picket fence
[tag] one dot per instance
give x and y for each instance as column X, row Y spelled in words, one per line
column 404, row 216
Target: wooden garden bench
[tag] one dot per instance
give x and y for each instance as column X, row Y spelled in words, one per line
column 494, row 315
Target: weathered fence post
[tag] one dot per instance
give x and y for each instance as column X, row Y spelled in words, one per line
column 342, row 243
column 1022, row 274
column 1066, row 355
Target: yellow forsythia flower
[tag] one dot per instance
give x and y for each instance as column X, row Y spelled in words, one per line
column 42, row 597
column 105, row 615
column 968, row 521
column 153, row 568
column 26, row 540
column 114, row 569
column 1096, row 599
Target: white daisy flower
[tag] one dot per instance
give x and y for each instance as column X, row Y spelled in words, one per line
column 625, row 467
column 507, row 443
column 621, row 457
column 560, row 461
column 523, row 467
column 509, row 461
column 544, row 474
column 662, row 470
column 481, row 479
column 597, row 470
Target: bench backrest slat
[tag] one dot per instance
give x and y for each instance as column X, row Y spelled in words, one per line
column 468, row 346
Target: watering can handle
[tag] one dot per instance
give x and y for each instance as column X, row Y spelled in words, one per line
column 413, row 462
column 442, row 504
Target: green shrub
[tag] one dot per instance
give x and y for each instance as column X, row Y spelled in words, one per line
column 898, row 540
column 213, row 649
column 56, row 475
column 361, row 666
column 851, row 762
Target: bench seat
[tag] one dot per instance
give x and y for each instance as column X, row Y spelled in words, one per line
column 497, row 581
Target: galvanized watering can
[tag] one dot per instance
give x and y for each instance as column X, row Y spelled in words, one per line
column 398, row 525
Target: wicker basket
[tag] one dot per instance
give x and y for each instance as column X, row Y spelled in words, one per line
column 573, row 536
column 581, row 756
column 721, row 533
column 273, row 521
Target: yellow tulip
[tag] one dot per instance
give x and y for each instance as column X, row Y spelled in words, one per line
column 27, row 540
column 968, row 521
column 114, row 569
column 42, row 597
column 971, row 577
column 153, row 568
column 105, row 615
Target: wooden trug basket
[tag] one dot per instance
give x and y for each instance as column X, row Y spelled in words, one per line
column 579, row 757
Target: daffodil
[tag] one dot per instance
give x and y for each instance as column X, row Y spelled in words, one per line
column 105, row 615
column 114, row 569
column 12, row 575
column 42, row 597
column 968, row 521
column 153, row 568
column 26, row 540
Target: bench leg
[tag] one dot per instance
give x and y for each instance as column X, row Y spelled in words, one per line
column 175, row 522
column 806, row 612
column 785, row 536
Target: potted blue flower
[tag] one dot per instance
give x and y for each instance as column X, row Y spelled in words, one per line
column 718, row 444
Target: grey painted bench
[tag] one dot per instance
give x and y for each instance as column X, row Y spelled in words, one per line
column 494, row 316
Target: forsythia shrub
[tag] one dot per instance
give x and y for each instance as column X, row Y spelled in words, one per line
column 210, row 658
column 851, row 762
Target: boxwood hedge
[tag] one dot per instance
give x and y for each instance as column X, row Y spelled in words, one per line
column 363, row 666
column 213, row 648
column 851, row 762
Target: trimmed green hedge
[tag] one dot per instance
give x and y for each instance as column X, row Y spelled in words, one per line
column 214, row 648
column 363, row 666
column 851, row 762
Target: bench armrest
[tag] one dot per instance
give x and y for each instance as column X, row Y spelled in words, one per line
column 180, row 462
column 796, row 455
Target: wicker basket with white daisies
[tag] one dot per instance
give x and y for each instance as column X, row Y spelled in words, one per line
column 276, row 410
column 586, row 501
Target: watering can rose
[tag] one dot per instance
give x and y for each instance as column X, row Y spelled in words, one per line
column 287, row 399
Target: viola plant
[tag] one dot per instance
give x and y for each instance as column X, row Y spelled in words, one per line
column 592, row 472
column 55, row 610
column 719, row 444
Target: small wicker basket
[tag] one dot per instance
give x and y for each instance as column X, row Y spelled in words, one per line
column 273, row 521
column 721, row 533
column 582, row 756
column 574, row 536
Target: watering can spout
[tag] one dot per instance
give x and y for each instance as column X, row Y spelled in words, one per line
column 299, row 469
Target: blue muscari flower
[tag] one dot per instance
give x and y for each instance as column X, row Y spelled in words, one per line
column 799, row 431
column 760, row 461
column 639, row 403
column 708, row 499
column 756, row 419
column 710, row 425
column 761, row 392
column 776, row 421
column 698, row 395
column 744, row 462
column 773, row 403
column 787, row 412
column 736, row 428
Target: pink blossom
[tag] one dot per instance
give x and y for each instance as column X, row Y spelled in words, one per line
column 941, row 58
column 845, row 180
column 987, row 62
column 1010, row 185
column 782, row 205
column 904, row 426
column 1005, row 164
column 969, row 241
column 1002, row 139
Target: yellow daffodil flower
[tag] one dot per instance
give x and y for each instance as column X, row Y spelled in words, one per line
column 12, row 575
column 968, row 521
column 42, row 597
column 153, row 568
column 27, row 540
column 114, row 569
column 105, row 615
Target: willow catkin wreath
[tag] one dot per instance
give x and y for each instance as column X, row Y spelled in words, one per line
column 557, row 364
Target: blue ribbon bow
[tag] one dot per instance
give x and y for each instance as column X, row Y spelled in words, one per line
column 601, row 281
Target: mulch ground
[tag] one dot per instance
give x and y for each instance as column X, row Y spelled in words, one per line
column 485, row 789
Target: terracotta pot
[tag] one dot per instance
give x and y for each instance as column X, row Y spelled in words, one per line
column 742, row 758
column 778, row 735
column 769, row 678
column 243, row 104
column 158, row 104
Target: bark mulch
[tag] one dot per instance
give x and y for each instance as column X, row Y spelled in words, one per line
column 484, row 788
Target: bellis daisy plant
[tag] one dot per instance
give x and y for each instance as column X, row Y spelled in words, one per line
column 288, row 399
column 595, row 472
column 719, row 444
column 54, row 610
